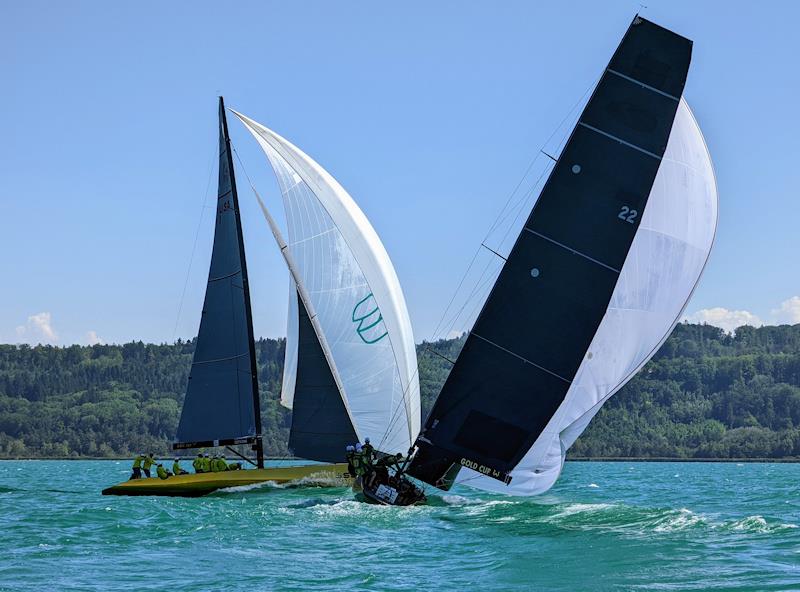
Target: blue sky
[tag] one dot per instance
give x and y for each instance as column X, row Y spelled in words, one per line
column 428, row 113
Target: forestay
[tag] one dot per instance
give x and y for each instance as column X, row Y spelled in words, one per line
column 537, row 327
column 663, row 267
column 355, row 294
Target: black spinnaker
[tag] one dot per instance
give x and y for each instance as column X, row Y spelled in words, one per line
column 554, row 289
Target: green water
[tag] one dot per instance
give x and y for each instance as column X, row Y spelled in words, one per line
column 605, row 526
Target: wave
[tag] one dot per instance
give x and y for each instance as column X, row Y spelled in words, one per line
column 634, row 520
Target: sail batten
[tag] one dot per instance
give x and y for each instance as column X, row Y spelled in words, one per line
column 559, row 280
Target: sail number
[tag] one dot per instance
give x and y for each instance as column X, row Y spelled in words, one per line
column 471, row 464
column 627, row 214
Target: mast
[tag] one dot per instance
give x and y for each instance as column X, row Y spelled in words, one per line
column 258, row 446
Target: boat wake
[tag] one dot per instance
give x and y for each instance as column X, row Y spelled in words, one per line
column 317, row 481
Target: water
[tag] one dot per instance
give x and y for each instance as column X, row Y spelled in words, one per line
column 605, row 526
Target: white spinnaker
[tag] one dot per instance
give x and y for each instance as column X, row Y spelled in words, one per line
column 355, row 292
column 665, row 263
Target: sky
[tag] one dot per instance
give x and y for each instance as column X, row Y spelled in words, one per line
column 429, row 114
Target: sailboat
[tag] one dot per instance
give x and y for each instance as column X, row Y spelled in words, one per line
column 350, row 369
column 596, row 281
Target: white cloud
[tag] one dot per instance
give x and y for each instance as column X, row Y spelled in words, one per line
column 93, row 338
column 38, row 329
column 788, row 312
column 724, row 318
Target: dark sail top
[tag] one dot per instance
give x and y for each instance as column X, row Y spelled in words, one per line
column 221, row 404
column 553, row 291
column 321, row 426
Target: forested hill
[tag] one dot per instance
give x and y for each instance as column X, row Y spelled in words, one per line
column 705, row 394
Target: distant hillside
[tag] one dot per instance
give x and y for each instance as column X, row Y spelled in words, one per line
column 706, row 394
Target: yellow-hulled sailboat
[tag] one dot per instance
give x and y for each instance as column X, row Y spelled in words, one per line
column 359, row 382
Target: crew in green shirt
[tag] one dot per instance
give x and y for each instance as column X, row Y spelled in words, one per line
column 137, row 466
column 162, row 472
column 368, row 451
column 176, row 468
column 198, row 463
column 149, row 461
column 358, row 461
column 206, row 463
column 222, row 465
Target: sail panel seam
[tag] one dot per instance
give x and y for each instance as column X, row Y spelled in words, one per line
column 527, row 361
column 573, row 251
column 223, row 277
column 642, row 84
column 620, row 140
column 220, row 359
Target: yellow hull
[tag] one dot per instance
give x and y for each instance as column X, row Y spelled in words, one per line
column 195, row 485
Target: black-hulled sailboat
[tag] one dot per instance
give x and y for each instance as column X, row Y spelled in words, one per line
column 340, row 389
column 596, row 281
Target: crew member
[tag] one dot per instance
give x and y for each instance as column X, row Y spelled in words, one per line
column 198, row 463
column 206, row 463
column 369, row 452
column 162, row 472
column 358, row 461
column 222, row 464
column 349, row 452
column 137, row 466
column 394, row 461
column 149, row 461
column 176, row 468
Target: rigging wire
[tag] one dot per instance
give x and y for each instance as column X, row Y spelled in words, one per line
column 194, row 246
column 500, row 219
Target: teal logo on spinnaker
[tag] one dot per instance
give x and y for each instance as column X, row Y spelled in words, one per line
column 370, row 326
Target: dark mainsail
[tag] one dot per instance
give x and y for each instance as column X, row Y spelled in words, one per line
column 553, row 291
column 321, row 426
column 222, row 405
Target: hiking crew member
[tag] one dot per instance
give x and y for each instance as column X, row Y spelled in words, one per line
column 176, row 468
column 206, row 463
column 222, row 465
column 358, row 461
column 162, row 472
column 198, row 463
column 137, row 466
column 369, row 452
column 394, row 461
column 149, row 461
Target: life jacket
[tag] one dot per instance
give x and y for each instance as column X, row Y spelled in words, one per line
column 176, row 468
column 162, row 473
column 358, row 463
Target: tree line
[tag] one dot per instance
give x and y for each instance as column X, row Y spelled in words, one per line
column 706, row 394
